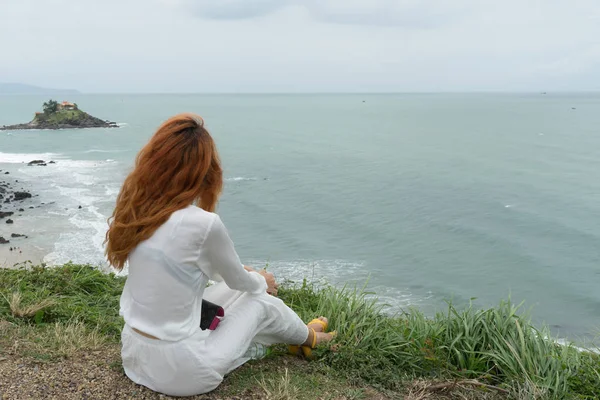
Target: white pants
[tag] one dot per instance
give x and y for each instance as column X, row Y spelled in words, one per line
column 197, row 364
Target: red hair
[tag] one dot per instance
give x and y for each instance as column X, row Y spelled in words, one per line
column 179, row 166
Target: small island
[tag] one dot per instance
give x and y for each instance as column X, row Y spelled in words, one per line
column 63, row 115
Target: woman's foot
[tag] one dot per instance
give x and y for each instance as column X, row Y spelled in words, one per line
column 316, row 329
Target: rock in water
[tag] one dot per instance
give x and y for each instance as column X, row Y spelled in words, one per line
column 22, row 195
column 9, row 221
column 40, row 163
column 3, row 241
column 5, row 214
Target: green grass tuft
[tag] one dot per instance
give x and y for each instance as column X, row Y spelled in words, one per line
column 499, row 346
column 76, row 292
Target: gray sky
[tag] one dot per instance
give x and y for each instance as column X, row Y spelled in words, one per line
column 301, row 46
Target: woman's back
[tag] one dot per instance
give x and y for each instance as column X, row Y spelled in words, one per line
column 163, row 292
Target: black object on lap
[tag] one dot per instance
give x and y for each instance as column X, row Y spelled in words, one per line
column 210, row 315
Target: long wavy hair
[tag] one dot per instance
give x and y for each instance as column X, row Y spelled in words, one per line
column 179, row 166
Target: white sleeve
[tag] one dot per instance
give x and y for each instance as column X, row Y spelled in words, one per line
column 220, row 262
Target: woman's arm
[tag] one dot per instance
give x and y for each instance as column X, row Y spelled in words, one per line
column 220, row 261
column 269, row 277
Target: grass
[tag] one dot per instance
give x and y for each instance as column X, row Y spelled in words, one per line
column 53, row 313
column 63, row 117
column 62, row 295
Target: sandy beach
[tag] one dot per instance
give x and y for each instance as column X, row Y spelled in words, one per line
column 18, row 251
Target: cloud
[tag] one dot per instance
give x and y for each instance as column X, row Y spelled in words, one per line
column 301, row 46
column 576, row 62
column 230, row 9
column 410, row 13
column 407, row 13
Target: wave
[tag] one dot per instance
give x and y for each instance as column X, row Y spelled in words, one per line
column 103, row 151
column 65, row 172
column 19, row 158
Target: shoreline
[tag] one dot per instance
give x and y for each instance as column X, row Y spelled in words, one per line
column 15, row 201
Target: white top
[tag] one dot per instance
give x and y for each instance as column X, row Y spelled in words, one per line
column 169, row 272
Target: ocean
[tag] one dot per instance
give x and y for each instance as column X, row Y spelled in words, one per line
column 423, row 198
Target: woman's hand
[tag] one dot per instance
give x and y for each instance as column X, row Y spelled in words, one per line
column 271, row 284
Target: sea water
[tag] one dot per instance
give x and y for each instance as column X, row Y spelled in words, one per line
column 423, row 197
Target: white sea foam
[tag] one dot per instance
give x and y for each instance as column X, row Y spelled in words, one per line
column 81, row 191
column 565, row 342
column 239, row 178
column 85, row 244
column 337, row 273
column 111, row 191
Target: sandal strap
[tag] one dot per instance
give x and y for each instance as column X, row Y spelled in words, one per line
column 324, row 324
column 313, row 343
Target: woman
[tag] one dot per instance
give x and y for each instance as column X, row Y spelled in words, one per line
column 165, row 228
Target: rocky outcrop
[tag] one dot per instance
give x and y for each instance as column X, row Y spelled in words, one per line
column 9, row 208
column 75, row 124
column 63, row 119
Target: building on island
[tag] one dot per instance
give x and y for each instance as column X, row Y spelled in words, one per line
column 65, row 105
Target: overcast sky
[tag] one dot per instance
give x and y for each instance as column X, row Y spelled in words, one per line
column 301, row 45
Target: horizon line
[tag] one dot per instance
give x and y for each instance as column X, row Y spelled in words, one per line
column 543, row 92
